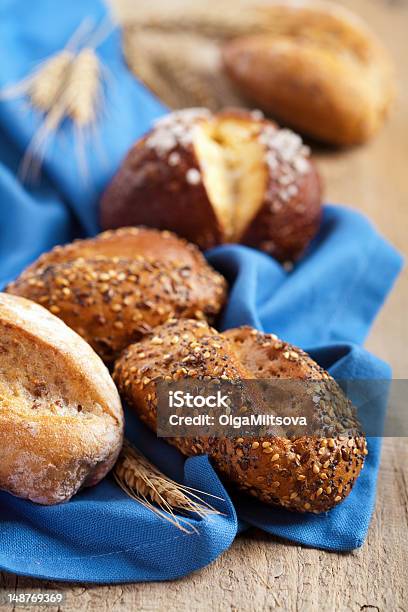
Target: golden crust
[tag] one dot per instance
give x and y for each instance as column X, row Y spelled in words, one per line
column 128, row 243
column 162, row 183
column 303, row 474
column 61, row 419
column 319, row 69
column 112, row 302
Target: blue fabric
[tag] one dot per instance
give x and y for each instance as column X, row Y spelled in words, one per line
column 326, row 304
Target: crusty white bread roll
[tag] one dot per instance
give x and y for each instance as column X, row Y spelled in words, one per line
column 316, row 67
column 61, row 419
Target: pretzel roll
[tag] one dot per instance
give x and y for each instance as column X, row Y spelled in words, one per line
column 215, row 178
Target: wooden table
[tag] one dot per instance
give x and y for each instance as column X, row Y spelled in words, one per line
column 260, row 572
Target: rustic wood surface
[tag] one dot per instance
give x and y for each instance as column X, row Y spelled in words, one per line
column 260, row 572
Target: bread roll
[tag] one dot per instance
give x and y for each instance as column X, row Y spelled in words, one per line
column 112, row 301
column 319, row 69
column 228, row 177
column 127, row 243
column 306, row 474
column 61, row 420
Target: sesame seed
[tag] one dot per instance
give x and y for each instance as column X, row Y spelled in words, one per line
column 319, row 492
column 316, row 468
column 328, row 490
column 268, row 450
column 337, row 498
column 307, row 506
column 301, row 477
column 255, row 445
column 275, row 457
column 265, row 444
column 157, row 340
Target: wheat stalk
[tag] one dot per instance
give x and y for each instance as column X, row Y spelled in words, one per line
column 82, row 90
column 145, row 483
column 46, row 81
column 217, row 20
column 65, row 85
column 168, row 64
column 44, row 84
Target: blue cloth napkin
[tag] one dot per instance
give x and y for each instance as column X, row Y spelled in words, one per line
column 326, row 305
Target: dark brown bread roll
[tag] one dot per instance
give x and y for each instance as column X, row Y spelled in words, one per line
column 227, row 177
column 61, row 420
column 308, row 473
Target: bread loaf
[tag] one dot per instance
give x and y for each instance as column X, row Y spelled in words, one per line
column 307, row 473
column 112, row 301
column 320, row 70
column 227, row 177
column 61, row 420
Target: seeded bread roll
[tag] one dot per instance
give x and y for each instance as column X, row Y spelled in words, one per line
column 112, row 302
column 307, row 473
column 61, row 420
column 320, row 70
column 215, row 178
column 128, row 243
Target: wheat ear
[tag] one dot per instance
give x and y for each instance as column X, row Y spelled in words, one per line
column 77, row 95
column 82, row 90
column 217, row 20
column 145, row 483
column 45, row 83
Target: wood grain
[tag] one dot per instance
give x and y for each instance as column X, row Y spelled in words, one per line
column 260, row 572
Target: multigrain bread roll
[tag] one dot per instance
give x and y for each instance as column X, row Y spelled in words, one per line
column 320, row 69
column 215, row 178
column 306, row 473
column 127, row 243
column 61, row 420
column 113, row 300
